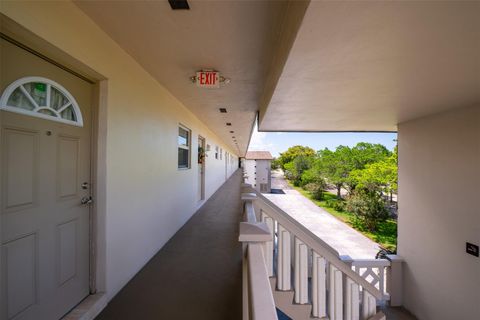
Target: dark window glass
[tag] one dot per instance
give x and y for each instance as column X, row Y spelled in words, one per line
column 183, row 158
column 183, row 148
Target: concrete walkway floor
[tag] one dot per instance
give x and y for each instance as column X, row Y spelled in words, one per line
column 197, row 274
column 340, row 236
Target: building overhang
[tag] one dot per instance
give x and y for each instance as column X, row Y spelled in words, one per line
column 367, row 66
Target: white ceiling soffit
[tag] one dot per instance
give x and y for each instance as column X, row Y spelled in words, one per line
column 367, row 66
column 234, row 37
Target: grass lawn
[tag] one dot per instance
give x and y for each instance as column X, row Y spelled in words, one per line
column 386, row 235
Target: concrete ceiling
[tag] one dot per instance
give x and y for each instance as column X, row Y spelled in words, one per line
column 305, row 66
column 367, row 66
column 234, row 37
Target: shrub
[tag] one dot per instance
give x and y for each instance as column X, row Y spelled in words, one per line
column 330, row 203
column 336, row 204
column 315, row 189
column 368, row 207
column 339, row 205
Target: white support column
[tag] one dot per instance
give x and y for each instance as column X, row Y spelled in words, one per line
column 268, row 246
column 319, row 288
column 301, row 272
column 369, row 305
column 284, row 260
column 394, row 280
column 352, row 303
column 336, row 294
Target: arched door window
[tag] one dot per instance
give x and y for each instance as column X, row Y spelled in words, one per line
column 42, row 98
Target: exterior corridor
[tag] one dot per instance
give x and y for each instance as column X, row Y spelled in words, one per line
column 197, row 274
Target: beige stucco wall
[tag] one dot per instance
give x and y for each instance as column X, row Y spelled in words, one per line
column 439, row 174
column 146, row 198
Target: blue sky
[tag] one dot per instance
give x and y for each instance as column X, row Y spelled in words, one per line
column 277, row 142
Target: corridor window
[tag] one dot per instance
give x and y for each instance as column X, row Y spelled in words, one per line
column 183, row 147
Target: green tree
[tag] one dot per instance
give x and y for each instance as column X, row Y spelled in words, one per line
column 275, row 164
column 364, row 153
column 381, row 176
column 294, row 152
column 295, row 169
column 368, row 207
column 334, row 166
column 338, row 165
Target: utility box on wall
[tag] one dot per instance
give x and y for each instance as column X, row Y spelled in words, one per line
column 257, row 166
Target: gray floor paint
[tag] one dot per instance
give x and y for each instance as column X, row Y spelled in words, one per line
column 197, row 274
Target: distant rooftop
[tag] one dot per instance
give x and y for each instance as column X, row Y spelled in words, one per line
column 258, row 155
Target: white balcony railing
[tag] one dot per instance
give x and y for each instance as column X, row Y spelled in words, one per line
column 340, row 288
column 258, row 303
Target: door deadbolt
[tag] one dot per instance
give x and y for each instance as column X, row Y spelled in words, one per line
column 86, row 200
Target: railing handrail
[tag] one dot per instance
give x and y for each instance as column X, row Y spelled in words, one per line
column 249, row 212
column 317, row 244
column 262, row 304
column 258, row 303
column 368, row 263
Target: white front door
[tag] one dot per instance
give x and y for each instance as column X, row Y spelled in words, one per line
column 45, row 173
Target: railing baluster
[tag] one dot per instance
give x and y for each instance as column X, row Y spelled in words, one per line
column 284, row 260
column 336, row 294
column 347, row 280
column 352, row 303
column 319, row 289
column 369, row 305
column 268, row 246
column 301, row 272
column 381, row 279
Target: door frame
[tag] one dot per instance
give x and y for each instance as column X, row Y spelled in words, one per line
column 11, row 31
column 203, row 166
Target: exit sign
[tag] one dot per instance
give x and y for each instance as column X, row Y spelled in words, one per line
column 208, row 79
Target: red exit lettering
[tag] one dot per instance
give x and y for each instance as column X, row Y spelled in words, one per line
column 208, row 79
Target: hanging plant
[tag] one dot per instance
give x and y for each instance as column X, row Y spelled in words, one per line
column 201, row 155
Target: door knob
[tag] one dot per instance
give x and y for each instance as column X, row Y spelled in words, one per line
column 86, row 200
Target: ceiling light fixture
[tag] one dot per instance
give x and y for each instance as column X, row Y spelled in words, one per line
column 179, row 4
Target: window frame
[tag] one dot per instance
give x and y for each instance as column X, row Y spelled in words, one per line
column 19, row 83
column 188, row 147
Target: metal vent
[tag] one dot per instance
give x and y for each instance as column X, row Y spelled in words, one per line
column 179, row 4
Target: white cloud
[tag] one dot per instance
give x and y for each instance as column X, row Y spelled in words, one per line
column 259, row 141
